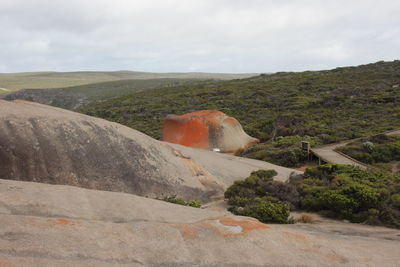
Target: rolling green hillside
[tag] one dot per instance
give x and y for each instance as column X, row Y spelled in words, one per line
column 39, row 80
column 330, row 105
column 75, row 96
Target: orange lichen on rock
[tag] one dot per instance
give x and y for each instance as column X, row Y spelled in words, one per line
column 308, row 245
column 326, row 256
column 62, row 221
column 224, row 226
column 188, row 231
column 247, row 225
column 297, row 237
column 6, row 263
column 189, row 132
column 207, row 129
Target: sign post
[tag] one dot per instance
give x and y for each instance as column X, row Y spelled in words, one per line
column 306, row 146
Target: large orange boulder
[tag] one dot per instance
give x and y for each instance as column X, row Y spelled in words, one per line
column 207, row 129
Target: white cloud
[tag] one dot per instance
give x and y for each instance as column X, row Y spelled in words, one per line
column 196, row 35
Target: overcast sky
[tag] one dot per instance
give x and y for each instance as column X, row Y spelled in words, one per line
column 196, row 35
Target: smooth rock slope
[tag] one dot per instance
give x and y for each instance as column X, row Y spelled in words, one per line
column 55, row 225
column 45, row 144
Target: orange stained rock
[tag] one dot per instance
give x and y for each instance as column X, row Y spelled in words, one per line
column 193, row 230
column 207, row 129
column 189, row 132
column 247, row 224
column 62, row 221
column 188, row 232
column 307, row 245
column 6, row 263
column 297, row 237
column 326, row 255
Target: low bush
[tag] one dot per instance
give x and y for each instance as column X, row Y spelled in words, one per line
column 338, row 191
column 283, row 151
column 260, row 184
column 265, row 209
column 261, row 197
column 347, row 192
column 374, row 150
column 179, row 201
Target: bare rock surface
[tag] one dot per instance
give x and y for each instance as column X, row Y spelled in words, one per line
column 230, row 167
column 57, row 225
column 46, row 144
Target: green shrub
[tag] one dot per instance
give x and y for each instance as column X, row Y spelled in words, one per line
column 265, row 209
column 338, row 191
column 194, row 204
column 395, row 200
column 179, row 201
column 257, row 196
column 265, row 175
column 369, row 146
column 348, row 192
column 374, row 150
column 284, row 151
column 326, row 173
column 259, row 184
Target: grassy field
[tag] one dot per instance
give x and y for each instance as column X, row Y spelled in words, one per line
column 329, row 106
column 40, row 80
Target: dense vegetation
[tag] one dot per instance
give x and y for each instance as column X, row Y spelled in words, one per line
column 107, row 90
column 350, row 193
column 256, row 197
column 333, row 105
column 338, row 191
column 284, row 151
column 377, row 150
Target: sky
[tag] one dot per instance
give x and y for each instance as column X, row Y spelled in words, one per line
column 235, row 36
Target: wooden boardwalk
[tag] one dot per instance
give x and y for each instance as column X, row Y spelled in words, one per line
column 328, row 154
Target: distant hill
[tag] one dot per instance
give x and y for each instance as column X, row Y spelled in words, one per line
column 75, row 96
column 40, row 80
column 330, row 105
